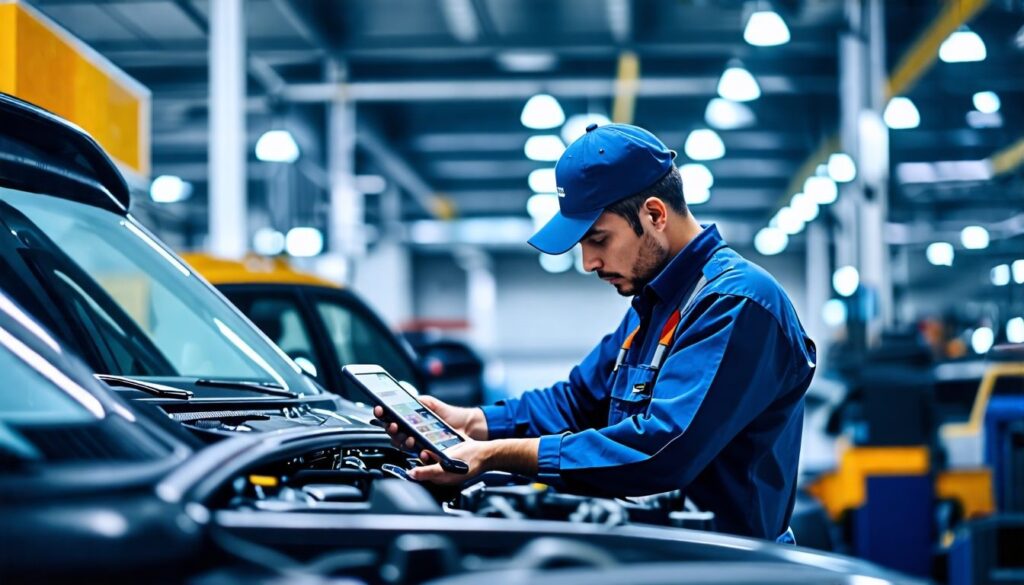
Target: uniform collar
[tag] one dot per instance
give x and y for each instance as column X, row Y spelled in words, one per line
column 683, row 269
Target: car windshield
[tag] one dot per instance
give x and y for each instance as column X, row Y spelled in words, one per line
column 135, row 303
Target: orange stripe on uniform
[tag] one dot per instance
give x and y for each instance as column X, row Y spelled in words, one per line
column 669, row 330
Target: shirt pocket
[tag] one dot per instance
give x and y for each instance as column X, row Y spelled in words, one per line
column 631, row 394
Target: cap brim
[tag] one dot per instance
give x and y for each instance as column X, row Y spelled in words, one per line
column 559, row 235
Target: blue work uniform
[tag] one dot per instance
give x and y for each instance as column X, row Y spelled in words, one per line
column 721, row 419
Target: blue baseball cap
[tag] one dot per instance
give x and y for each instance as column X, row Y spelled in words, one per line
column 604, row 166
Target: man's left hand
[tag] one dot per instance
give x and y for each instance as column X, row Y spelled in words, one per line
column 476, row 454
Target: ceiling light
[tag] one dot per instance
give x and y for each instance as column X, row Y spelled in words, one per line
column 704, row 144
column 542, row 181
column 526, row 61
column 697, row 183
column 940, row 254
column 268, row 242
column 556, row 264
column 789, row 221
column 977, row 120
column 277, row 146
column 986, row 102
column 974, row 237
column 1000, row 275
column 846, row 281
column 962, row 46
column 303, row 242
column 770, row 241
column 841, row 168
column 766, row 28
column 542, row 112
column 1018, row 271
column 901, row 114
column 805, row 207
column 982, row 340
column 728, row 115
column 822, row 190
column 542, row 207
column 738, row 85
column 1015, row 330
column 944, row 171
column 169, row 189
column 370, row 184
column 833, row 313
column 576, row 125
column 547, row 147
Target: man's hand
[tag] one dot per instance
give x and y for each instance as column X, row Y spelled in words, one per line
column 468, row 421
column 516, row 455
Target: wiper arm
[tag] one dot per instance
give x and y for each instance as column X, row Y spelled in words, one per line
column 263, row 387
column 148, row 387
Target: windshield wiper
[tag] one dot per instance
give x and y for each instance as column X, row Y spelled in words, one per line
column 148, row 387
column 269, row 388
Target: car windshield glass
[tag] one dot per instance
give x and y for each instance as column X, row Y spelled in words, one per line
column 138, row 305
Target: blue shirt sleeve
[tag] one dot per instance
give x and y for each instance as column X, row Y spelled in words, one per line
column 579, row 403
column 725, row 368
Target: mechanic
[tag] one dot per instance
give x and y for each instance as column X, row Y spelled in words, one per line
column 699, row 389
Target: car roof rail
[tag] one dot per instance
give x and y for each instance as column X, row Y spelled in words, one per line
column 41, row 152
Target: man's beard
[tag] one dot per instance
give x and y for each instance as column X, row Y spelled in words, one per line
column 652, row 258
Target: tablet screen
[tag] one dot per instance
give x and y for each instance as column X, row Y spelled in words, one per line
column 407, row 407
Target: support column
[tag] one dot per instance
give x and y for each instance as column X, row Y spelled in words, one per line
column 862, row 210
column 818, row 282
column 347, row 233
column 228, row 210
column 481, row 300
column 384, row 277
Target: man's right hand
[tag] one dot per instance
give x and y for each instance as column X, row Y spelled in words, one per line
column 468, row 421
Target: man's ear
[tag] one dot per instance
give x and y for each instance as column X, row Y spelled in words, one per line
column 657, row 211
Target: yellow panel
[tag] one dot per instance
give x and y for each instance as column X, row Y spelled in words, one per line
column 132, row 294
column 43, row 64
column 8, row 14
column 846, row 488
column 972, row 488
column 252, row 270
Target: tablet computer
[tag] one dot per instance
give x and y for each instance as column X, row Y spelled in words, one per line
column 415, row 419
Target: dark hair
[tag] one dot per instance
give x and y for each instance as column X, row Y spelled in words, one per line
column 669, row 189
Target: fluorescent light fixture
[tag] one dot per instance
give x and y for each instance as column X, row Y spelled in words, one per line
column 576, row 125
column 940, row 254
column 546, row 147
column 526, row 61
column 738, row 85
column 277, row 146
column 704, row 144
column 846, row 281
column 986, row 102
column 978, row 120
column 821, row 190
column 1017, row 268
column 697, row 183
column 1015, row 330
column 901, row 114
column 169, row 189
column 766, row 29
column 963, row 46
column 789, row 221
column 1000, row 275
column 556, row 264
column 833, row 313
column 542, row 207
column 974, row 237
column 770, row 241
column 728, row 115
column 841, row 168
column 805, row 207
column 542, row 181
column 541, row 112
column 303, row 242
column 944, row 171
column 370, row 184
column 268, row 242
column 982, row 340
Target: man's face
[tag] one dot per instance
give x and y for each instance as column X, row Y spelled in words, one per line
column 620, row 257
